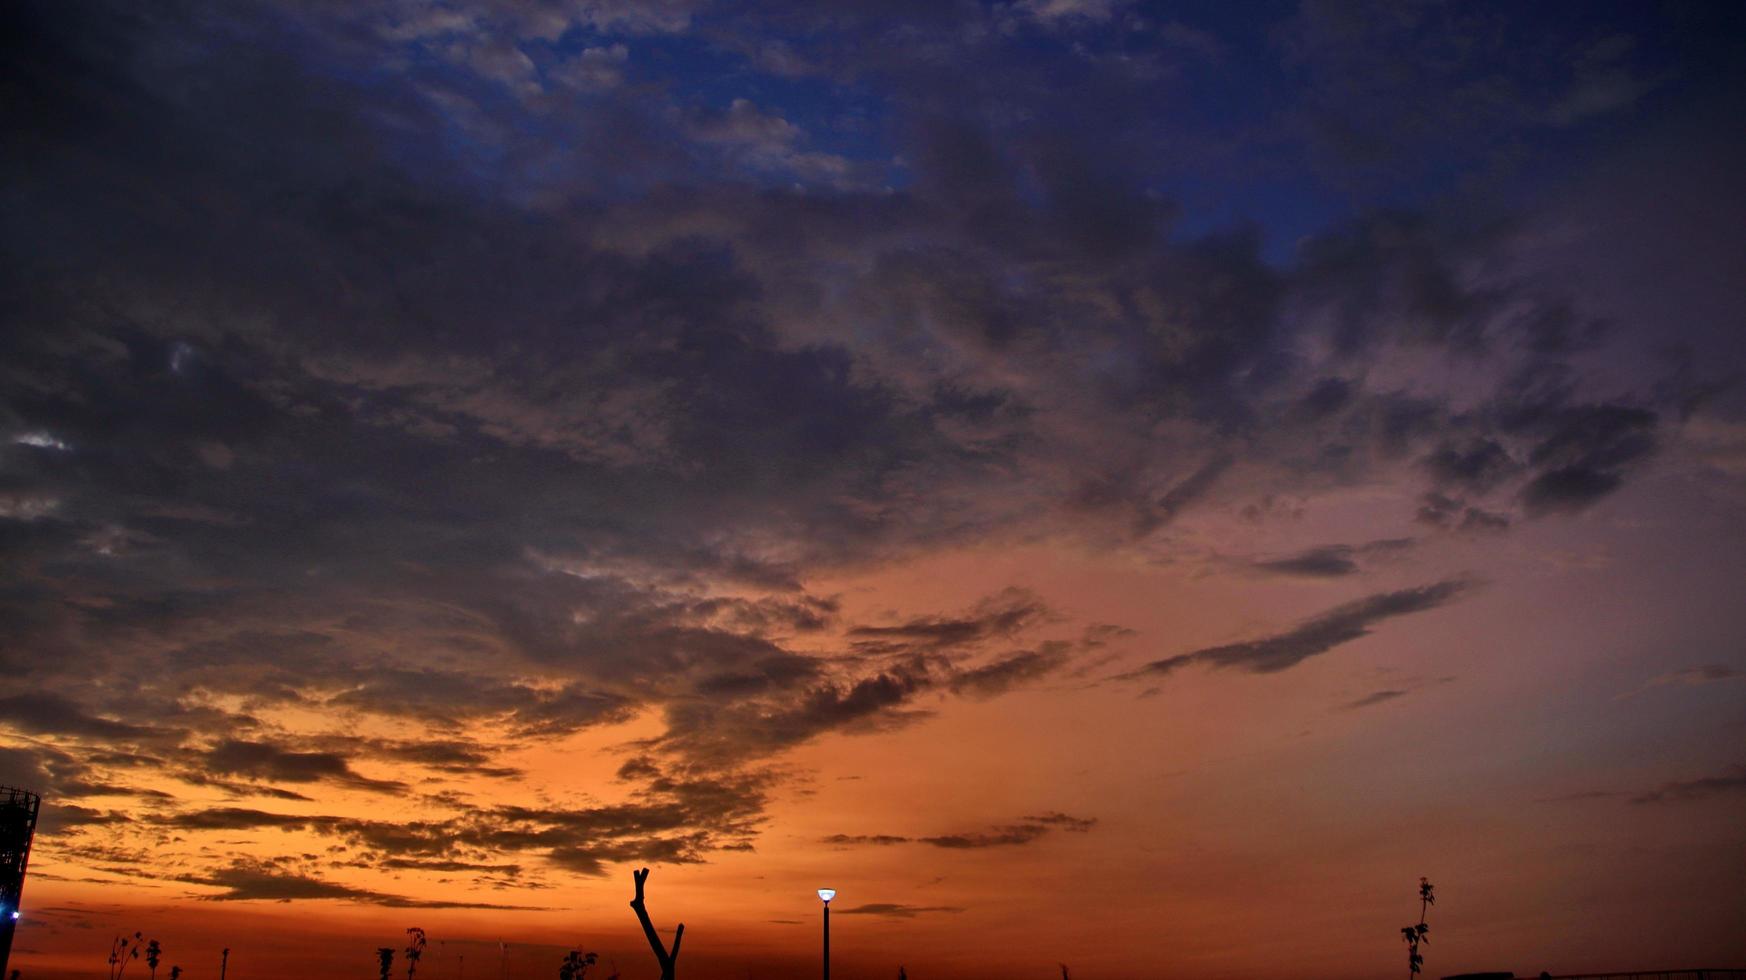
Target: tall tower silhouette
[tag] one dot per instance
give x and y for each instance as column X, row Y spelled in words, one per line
column 18, row 809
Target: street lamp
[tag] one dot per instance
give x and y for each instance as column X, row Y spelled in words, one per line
column 826, row 894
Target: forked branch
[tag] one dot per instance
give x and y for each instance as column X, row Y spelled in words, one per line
column 667, row 958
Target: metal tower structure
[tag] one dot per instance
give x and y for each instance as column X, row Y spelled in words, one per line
column 18, row 809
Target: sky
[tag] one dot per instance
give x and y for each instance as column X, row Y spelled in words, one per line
column 1132, row 486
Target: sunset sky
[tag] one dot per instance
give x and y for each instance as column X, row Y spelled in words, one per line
column 1125, row 485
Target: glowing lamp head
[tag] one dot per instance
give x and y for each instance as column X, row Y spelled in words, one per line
column 827, row 894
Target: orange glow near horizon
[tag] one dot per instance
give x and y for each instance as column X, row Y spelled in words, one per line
column 1188, row 791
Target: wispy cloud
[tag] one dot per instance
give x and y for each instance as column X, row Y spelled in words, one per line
column 1331, row 629
column 1028, row 830
column 1333, row 560
column 1732, row 782
column 996, row 616
column 1373, row 698
column 893, row 910
column 247, row 880
column 1686, row 677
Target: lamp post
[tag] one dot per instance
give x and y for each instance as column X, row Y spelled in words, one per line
column 827, row 894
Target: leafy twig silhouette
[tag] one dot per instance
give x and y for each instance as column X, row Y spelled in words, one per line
column 385, row 959
column 576, row 964
column 154, row 953
column 123, row 950
column 667, row 959
column 1416, row 935
column 414, row 950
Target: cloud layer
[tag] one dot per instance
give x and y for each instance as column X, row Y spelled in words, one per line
column 388, row 389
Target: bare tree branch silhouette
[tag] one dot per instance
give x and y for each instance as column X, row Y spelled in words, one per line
column 667, row 958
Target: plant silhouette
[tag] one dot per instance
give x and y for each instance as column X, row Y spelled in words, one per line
column 153, row 954
column 121, row 952
column 668, row 959
column 414, row 950
column 576, row 964
column 175, row 973
column 385, row 960
column 224, row 963
column 1416, row 935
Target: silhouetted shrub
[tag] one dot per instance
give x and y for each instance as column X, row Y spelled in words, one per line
column 1415, row 935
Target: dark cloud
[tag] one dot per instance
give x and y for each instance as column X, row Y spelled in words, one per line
column 638, row 768
column 783, row 700
column 233, row 788
column 1328, row 561
column 1568, row 488
column 447, row 698
column 46, row 713
column 412, row 864
column 1585, row 455
column 1064, row 821
column 896, row 911
column 240, row 818
column 65, row 817
column 858, row 839
column 245, row 880
column 53, row 773
column 1596, row 794
column 997, row 616
column 1373, row 698
column 1453, row 514
column 1030, row 829
column 1710, row 672
column 351, row 376
column 266, row 761
column 1477, row 466
column 1390, row 94
column 996, row 837
column 1687, row 677
column 671, row 820
column 1329, row 396
column 757, row 729
column 1008, row 672
column 1191, row 488
column 460, row 758
column 1730, row 783
column 1337, row 626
